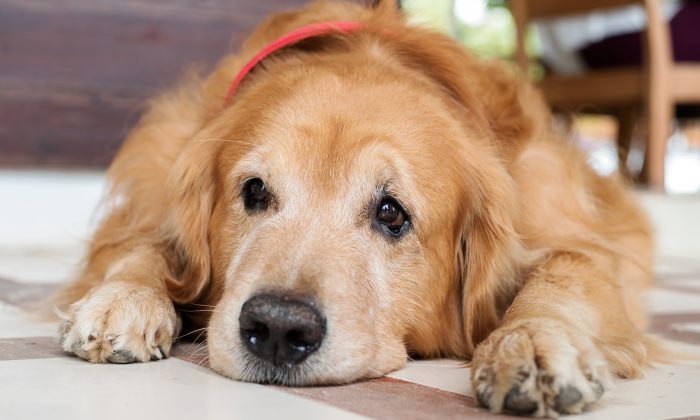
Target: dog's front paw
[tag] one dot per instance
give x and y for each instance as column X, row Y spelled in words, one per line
column 120, row 322
column 538, row 368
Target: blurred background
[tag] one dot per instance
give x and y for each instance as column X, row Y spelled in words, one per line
column 605, row 67
column 622, row 76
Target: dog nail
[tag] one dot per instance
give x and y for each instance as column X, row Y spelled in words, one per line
column 523, row 374
column 598, row 388
column 483, row 398
column 77, row 349
column 158, row 354
column 519, row 403
column 566, row 398
column 121, row 356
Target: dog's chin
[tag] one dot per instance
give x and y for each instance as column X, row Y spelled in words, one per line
column 249, row 368
column 261, row 371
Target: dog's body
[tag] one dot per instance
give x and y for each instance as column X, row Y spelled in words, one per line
column 389, row 194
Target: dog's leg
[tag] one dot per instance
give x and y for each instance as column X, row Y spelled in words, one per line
column 128, row 315
column 118, row 309
column 558, row 342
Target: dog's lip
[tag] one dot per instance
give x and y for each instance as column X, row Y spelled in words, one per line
column 264, row 372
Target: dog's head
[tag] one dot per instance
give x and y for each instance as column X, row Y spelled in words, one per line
column 351, row 205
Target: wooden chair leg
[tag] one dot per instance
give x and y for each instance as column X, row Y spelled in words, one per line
column 626, row 119
column 659, row 117
column 659, row 61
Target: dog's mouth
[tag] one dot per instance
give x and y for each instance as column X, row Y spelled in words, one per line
column 257, row 370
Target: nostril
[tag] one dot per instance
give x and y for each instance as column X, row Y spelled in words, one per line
column 294, row 339
column 301, row 341
column 257, row 334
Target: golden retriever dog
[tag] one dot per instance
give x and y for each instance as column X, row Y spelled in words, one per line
column 362, row 196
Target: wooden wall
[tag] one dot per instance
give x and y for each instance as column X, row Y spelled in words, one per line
column 74, row 73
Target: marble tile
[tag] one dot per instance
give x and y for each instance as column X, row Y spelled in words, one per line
column 662, row 301
column 391, row 398
column 444, row 374
column 48, row 209
column 41, row 266
column 30, row 348
column 693, row 327
column 15, row 322
column 667, row 391
column 69, row 388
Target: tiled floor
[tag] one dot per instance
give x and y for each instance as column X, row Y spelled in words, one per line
column 44, row 221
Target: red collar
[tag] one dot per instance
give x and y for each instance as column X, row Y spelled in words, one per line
column 300, row 34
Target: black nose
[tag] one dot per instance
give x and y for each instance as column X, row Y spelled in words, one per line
column 281, row 329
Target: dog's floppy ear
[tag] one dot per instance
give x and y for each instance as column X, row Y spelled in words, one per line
column 191, row 189
column 488, row 252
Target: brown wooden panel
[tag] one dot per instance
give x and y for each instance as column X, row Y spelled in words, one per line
column 552, row 8
column 685, row 83
column 73, row 72
column 118, row 45
column 61, row 125
column 600, row 88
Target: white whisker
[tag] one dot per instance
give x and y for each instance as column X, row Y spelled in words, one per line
column 191, row 332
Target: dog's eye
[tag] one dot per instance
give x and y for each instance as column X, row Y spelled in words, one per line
column 256, row 197
column 392, row 217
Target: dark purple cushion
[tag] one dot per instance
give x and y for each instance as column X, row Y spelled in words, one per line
column 626, row 50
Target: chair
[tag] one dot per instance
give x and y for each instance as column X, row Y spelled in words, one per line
column 657, row 85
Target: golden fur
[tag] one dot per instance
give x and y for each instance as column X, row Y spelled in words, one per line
column 520, row 257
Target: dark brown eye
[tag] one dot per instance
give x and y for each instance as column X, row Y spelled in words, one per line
column 256, row 197
column 392, row 217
